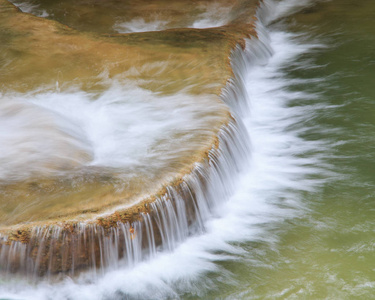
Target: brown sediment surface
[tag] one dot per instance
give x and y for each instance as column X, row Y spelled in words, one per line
column 37, row 52
column 102, row 16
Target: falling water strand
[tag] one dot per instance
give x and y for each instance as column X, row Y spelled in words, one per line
column 181, row 212
column 169, row 223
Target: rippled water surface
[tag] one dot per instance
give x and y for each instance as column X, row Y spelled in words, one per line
column 327, row 250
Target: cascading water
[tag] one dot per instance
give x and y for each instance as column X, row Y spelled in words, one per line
column 91, row 246
column 130, row 256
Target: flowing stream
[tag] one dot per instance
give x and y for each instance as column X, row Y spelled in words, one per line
column 298, row 223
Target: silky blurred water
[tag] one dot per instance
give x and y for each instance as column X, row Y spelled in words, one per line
column 300, row 225
column 327, row 250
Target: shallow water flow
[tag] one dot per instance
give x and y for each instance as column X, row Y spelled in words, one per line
column 300, row 222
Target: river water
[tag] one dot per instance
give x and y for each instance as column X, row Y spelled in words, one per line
column 300, row 223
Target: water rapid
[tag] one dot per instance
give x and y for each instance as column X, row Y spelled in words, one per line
column 233, row 199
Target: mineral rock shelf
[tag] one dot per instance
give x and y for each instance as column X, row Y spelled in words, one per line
column 75, row 195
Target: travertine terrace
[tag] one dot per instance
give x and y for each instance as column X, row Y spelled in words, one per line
column 74, row 220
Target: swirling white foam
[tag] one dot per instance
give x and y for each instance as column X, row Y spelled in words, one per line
column 125, row 127
column 280, row 169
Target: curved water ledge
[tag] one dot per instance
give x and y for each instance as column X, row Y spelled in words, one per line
column 134, row 233
column 158, row 223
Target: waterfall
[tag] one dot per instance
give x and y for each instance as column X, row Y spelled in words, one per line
column 172, row 217
column 179, row 242
column 181, row 211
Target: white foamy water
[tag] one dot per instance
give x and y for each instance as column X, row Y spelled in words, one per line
column 31, row 8
column 280, row 169
column 213, row 15
column 140, row 25
column 126, row 128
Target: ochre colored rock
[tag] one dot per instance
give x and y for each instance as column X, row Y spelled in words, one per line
column 37, row 52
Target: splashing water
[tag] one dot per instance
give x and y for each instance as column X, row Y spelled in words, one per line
column 266, row 191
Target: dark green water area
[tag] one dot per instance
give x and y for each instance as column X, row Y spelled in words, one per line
column 329, row 251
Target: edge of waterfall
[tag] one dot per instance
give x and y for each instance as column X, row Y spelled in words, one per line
column 160, row 222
